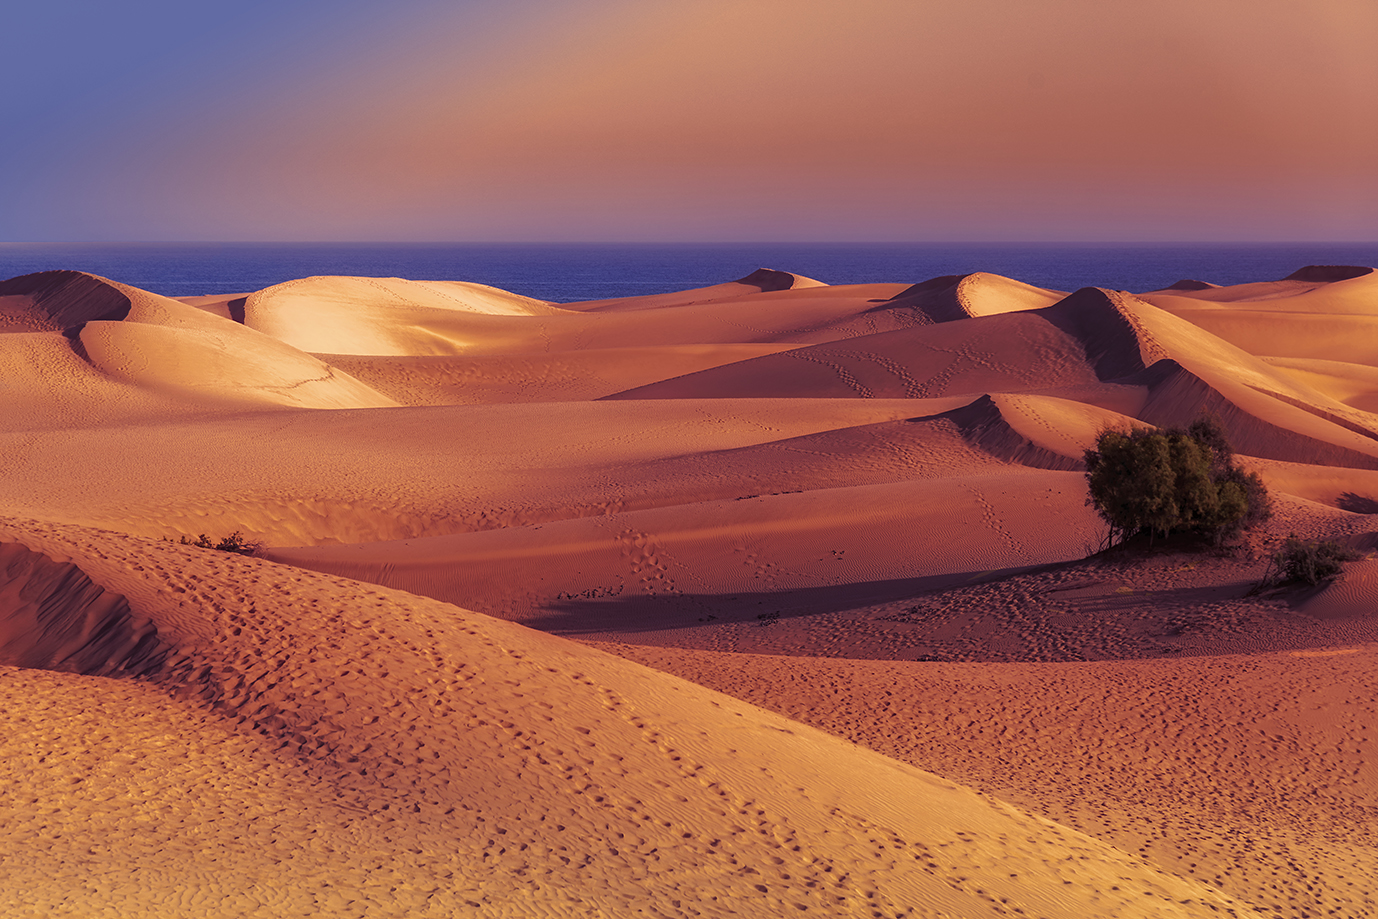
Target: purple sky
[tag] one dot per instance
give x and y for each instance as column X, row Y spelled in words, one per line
column 704, row 120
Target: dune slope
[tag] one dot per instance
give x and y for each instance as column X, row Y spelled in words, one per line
column 1249, row 772
column 431, row 760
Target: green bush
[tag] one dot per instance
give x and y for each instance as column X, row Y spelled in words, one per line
column 1168, row 481
column 1312, row 561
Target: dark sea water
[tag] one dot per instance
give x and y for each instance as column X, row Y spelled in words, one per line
column 586, row 272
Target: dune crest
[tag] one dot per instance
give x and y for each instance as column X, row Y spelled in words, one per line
column 1042, row 432
column 343, row 315
column 962, row 296
column 768, row 279
column 1328, row 273
column 53, row 301
column 153, row 348
column 1190, row 284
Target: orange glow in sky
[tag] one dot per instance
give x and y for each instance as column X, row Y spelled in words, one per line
column 767, row 119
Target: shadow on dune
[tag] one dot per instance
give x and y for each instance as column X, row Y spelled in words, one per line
column 1324, row 274
column 1057, row 613
column 59, row 300
column 54, row 617
column 1357, row 504
column 632, row 615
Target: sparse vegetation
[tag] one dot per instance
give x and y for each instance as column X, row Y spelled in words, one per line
column 1312, row 561
column 1170, row 481
column 235, row 542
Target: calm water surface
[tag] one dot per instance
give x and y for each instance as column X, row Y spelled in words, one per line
column 585, row 272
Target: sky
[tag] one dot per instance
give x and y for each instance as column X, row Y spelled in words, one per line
column 689, row 120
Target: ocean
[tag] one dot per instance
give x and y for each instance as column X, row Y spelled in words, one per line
column 568, row 272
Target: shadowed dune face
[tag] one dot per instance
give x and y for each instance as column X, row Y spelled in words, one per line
column 862, row 507
column 1326, row 273
column 54, row 301
column 53, row 617
column 1190, row 284
column 768, row 279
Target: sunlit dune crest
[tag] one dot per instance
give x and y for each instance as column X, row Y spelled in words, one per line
column 129, row 347
column 766, row 598
column 978, row 294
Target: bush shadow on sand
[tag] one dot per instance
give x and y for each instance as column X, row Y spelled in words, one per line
column 1122, row 606
column 660, row 612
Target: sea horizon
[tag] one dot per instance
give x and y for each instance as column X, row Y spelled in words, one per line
column 567, row 272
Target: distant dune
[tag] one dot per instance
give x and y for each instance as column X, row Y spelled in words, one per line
column 766, row 598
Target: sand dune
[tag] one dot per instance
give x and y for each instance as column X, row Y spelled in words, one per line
column 1326, row 314
column 395, row 317
column 1044, row 432
column 220, row 366
column 1091, row 336
column 148, row 349
column 1008, row 352
column 562, row 376
column 980, row 294
column 762, row 280
column 1184, row 284
column 1246, row 771
column 379, row 315
column 1326, row 281
column 55, row 300
column 410, row 756
column 226, row 306
column 859, row 507
column 1356, row 385
column 686, row 560
column 763, row 318
column 1266, row 333
column 308, row 477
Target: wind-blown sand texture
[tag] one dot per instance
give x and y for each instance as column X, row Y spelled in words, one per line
column 763, row 599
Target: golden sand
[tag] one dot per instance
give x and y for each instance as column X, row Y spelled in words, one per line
column 763, row 599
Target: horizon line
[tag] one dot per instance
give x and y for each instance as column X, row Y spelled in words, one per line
column 686, row 243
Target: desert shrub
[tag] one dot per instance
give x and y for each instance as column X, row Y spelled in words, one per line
column 235, row 542
column 1312, row 561
column 1160, row 482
